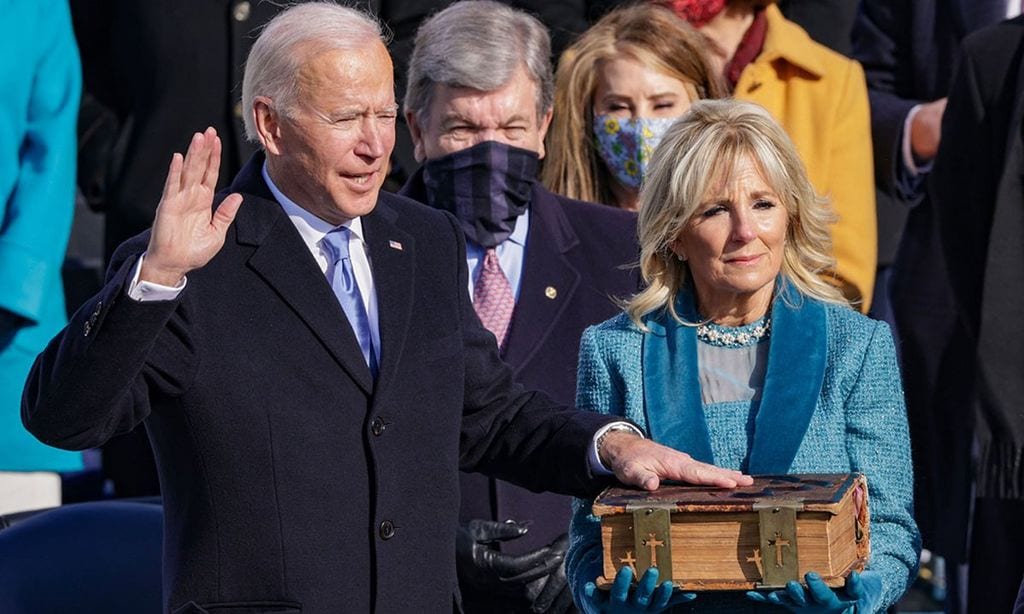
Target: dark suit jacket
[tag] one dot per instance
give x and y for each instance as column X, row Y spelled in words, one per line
column 581, row 252
column 977, row 194
column 908, row 49
column 164, row 70
column 291, row 479
column 827, row 21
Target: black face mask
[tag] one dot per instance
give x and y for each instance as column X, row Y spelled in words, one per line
column 486, row 186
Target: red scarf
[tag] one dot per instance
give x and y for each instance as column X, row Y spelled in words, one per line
column 749, row 48
column 697, row 12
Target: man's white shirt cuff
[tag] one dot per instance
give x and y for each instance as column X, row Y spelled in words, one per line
column 145, row 291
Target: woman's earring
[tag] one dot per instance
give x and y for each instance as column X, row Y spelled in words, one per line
column 682, row 257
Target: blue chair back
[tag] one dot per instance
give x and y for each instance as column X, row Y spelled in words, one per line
column 99, row 557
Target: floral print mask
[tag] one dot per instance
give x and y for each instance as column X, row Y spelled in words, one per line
column 626, row 145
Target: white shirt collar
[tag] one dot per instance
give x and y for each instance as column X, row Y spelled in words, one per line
column 311, row 228
column 522, row 228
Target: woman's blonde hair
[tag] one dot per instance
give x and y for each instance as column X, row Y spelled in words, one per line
column 649, row 34
column 695, row 153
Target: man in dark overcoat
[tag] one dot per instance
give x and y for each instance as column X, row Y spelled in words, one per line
column 478, row 102
column 977, row 192
column 909, row 49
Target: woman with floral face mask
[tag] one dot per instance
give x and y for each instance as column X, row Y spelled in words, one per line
column 617, row 90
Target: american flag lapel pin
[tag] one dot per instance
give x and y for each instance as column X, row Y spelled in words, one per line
column 395, row 245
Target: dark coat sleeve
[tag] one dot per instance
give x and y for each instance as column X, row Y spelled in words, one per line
column 97, row 378
column 972, row 156
column 882, row 49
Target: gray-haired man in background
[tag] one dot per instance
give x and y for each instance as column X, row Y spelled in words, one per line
column 541, row 267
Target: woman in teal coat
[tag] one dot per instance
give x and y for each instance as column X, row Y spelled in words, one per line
column 41, row 85
column 740, row 355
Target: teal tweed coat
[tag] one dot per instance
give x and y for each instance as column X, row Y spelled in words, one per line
column 832, row 402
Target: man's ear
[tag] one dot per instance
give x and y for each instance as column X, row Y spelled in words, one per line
column 268, row 124
column 416, row 131
column 545, row 123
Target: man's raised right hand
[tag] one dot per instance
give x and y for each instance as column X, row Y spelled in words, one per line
column 187, row 233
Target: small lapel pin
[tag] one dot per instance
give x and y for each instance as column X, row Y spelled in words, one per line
column 550, row 292
column 395, row 245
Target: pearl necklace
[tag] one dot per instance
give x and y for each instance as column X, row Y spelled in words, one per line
column 735, row 337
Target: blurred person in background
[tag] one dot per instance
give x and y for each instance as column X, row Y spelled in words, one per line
column 541, row 267
column 909, row 49
column 42, row 83
column 976, row 191
column 820, row 98
column 829, row 22
column 618, row 88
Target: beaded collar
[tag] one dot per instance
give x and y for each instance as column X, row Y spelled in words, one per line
column 735, row 336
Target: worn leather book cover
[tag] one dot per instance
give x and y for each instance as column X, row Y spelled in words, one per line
column 758, row 536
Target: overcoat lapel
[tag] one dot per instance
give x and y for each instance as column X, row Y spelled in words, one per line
column 792, row 384
column 284, row 262
column 548, row 284
column 672, row 398
column 971, row 15
column 796, row 370
column 393, row 258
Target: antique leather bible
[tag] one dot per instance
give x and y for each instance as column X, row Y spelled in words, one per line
column 758, row 536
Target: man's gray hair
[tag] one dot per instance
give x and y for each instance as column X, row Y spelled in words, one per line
column 291, row 39
column 478, row 44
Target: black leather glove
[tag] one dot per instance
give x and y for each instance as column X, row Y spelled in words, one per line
column 551, row 594
column 485, row 569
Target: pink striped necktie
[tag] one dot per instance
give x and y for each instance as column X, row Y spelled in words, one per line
column 492, row 298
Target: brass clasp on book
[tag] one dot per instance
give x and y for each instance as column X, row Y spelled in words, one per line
column 779, row 555
column 652, row 541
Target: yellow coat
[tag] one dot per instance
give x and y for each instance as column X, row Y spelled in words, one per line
column 821, row 99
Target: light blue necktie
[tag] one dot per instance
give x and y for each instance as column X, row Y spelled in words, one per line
column 346, row 288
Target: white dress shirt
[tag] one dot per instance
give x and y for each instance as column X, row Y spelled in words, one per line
column 313, row 230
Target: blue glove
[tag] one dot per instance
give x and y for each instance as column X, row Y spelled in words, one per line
column 861, row 594
column 646, row 597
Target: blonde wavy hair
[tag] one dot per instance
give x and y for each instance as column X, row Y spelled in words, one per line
column 650, row 34
column 700, row 148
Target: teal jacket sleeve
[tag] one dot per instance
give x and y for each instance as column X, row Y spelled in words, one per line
column 594, row 392
column 878, row 444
